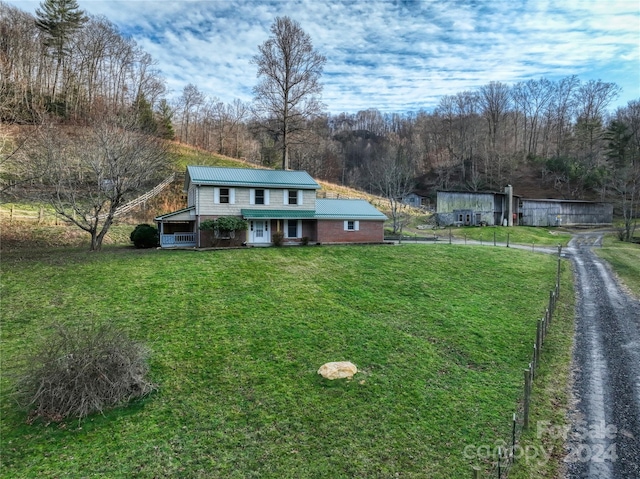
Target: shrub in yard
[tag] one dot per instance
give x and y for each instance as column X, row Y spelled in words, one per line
column 277, row 238
column 75, row 372
column 144, row 236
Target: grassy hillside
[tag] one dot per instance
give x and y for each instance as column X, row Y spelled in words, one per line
column 237, row 337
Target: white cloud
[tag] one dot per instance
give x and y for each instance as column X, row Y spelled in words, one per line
column 390, row 55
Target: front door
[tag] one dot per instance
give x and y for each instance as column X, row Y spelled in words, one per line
column 259, row 231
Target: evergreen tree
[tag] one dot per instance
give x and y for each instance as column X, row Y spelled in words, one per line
column 164, row 116
column 59, row 20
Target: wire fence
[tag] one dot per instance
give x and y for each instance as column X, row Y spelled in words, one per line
column 46, row 216
column 506, row 451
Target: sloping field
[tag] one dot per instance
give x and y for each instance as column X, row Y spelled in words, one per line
column 440, row 335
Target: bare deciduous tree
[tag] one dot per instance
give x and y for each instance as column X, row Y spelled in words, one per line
column 86, row 174
column 289, row 70
column 393, row 177
column 623, row 152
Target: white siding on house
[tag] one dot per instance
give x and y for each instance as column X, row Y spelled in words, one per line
column 191, row 196
column 242, row 198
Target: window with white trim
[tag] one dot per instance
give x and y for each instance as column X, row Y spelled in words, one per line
column 293, row 197
column 351, row 225
column 293, row 228
column 258, row 196
column 224, row 195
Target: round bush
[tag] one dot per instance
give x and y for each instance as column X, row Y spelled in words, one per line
column 144, row 236
column 75, row 372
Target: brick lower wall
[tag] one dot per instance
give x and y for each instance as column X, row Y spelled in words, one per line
column 207, row 239
column 330, row 231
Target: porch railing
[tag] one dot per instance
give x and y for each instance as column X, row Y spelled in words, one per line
column 178, row 239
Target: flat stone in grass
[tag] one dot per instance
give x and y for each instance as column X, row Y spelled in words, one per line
column 338, row 370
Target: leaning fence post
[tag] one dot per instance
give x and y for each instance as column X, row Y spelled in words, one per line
column 508, row 239
column 527, row 397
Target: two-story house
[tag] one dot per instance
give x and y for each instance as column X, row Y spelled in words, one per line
column 271, row 201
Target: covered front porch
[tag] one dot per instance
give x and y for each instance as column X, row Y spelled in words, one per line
column 295, row 226
column 178, row 229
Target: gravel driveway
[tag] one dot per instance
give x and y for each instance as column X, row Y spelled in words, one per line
column 604, row 441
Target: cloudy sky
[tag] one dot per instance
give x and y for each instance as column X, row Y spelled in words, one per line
column 395, row 55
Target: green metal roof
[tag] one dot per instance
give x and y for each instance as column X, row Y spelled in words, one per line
column 347, row 210
column 174, row 213
column 277, row 214
column 250, row 177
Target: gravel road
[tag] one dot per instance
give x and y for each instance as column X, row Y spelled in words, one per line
column 604, row 441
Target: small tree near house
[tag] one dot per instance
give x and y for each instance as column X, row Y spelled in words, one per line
column 224, row 228
column 87, row 173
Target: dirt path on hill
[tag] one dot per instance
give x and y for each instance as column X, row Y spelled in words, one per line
column 604, row 442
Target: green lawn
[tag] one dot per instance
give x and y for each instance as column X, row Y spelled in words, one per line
column 440, row 334
column 625, row 259
column 524, row 235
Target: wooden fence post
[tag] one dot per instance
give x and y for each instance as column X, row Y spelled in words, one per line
column 476, row 472
column 527, row 397
column 534, row 363
column 558, row 272
column 11, row 215
column 513, row 439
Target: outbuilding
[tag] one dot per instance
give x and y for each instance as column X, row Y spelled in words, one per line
column 555, row 212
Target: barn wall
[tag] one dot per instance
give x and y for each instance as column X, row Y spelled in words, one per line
column 565, row 213
column 481, row 206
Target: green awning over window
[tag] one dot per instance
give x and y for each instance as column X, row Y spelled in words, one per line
column 259, row 214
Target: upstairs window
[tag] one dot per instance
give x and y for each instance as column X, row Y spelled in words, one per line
column 293, row 197
column 258, row 196
column 224, row 195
